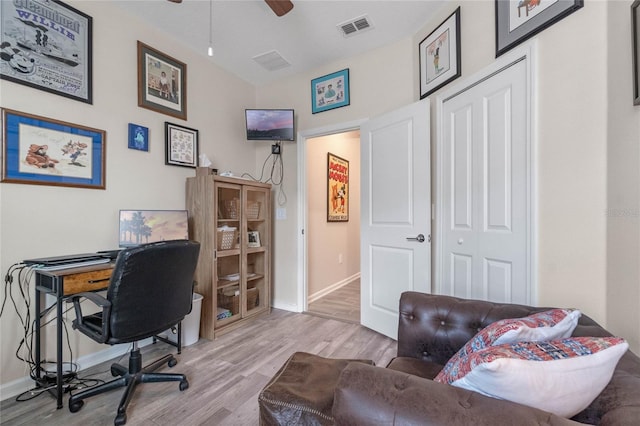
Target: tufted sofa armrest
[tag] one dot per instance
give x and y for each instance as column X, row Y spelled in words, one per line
column 368, row 395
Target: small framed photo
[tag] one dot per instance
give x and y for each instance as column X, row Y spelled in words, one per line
column 162, row 82
column 635, row 43
column 42, row 151
column 440, row 56
column 253, row 239
column 517, row 21
column 182, row 145
column 330, row 91
column 138, row 137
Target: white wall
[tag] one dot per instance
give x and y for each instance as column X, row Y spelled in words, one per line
column 40, row 221
column 328, row 242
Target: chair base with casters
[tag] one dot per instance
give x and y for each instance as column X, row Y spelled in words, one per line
column 130, row 378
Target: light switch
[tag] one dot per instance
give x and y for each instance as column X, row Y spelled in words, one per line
column 281, row 213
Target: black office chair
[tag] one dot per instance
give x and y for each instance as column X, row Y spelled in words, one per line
column 151, row 290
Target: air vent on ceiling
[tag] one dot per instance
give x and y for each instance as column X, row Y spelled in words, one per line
column 272, row 60
column 355, row 26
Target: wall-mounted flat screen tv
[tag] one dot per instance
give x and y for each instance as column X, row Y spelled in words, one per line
column 149, row 226
column 269, row 124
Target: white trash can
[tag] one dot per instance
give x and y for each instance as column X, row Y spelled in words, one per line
column 190, row 324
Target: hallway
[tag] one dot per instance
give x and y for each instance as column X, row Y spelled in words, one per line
column 342, row 304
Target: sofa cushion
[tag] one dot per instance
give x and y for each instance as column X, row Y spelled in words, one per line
column 416, row 367
column 560, row 376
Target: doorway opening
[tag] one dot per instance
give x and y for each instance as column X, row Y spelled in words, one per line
column 332, row 226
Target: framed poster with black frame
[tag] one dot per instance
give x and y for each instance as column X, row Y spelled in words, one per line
column 46, row 45
column 181, row 145
column 440, row 55
column 337, row 188
column 635, row 44
column 518, row 20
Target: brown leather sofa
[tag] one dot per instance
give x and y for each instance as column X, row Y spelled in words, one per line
column 433, row 328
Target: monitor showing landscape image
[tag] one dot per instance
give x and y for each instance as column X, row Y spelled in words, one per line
column 149, row 226
column 269, row 124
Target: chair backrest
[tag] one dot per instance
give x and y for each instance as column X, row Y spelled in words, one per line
column 151, row 289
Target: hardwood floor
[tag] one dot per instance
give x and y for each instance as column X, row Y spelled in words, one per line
column 225, row 375
column 342, row 304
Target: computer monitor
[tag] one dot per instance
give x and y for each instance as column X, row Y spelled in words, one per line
column 149, row 226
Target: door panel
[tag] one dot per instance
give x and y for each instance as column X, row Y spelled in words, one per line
column 485, row 190
column 395, row 205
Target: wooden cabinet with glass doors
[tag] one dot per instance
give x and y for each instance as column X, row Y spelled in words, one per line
column 231, row 218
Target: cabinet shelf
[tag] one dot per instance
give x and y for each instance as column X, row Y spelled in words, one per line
column 235, row 283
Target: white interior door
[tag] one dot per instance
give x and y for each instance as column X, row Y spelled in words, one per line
column 485, row 175
column 395, row 213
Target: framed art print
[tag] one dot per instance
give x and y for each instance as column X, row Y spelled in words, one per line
column 182, row 145
column 138, row 137
column 519, row 20
column 635, row 44
column 46, row 45
column 330, row 91
column 337, row 189
column 42, row 151
column 162, row 82
column 440, row 56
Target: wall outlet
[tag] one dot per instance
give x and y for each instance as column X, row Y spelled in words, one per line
column 281, row 213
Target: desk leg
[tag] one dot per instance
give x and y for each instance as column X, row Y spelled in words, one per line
column 37, row 333
column 59, row 377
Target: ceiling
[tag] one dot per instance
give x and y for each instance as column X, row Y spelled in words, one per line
column 307, row 37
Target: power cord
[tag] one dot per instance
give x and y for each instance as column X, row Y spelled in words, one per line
column 276, row 175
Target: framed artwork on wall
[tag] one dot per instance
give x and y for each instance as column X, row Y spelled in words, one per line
column 330, row 91
column 162, row 82
column 138, row 137
column 440, row 56
column 519, row 20
column 46, row 45
column 337, row 189
column 182, row 145
column 42, row 151
column 635, row 44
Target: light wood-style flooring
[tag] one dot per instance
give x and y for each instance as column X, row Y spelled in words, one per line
column 225, row 375
column 341, row 304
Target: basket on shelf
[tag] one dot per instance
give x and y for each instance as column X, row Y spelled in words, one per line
column 253, row 210
column 231, row 208
column 226, row 238
column 232, row 303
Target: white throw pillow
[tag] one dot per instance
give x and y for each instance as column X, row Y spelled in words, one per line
column 547, row 325
column 560, row 376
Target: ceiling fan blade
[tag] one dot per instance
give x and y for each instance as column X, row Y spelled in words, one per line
column 280, row 7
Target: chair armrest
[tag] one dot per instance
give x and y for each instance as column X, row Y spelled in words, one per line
column 80, row 324
column 368, row 395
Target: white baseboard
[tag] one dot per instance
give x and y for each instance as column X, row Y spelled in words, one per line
column 286, row 306
column 18, row 386
column 318, row 294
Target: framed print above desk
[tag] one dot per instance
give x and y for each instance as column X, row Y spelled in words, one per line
column 46, row 45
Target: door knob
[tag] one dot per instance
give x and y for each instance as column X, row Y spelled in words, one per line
column 419, row 238
column 460, row 241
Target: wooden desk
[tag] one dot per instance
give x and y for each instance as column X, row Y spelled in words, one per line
column 62, row 283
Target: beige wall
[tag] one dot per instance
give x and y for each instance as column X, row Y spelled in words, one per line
column 381, row 80
column 623, row 186
column 46, row 221
column 574, row 133
column 328, row 242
